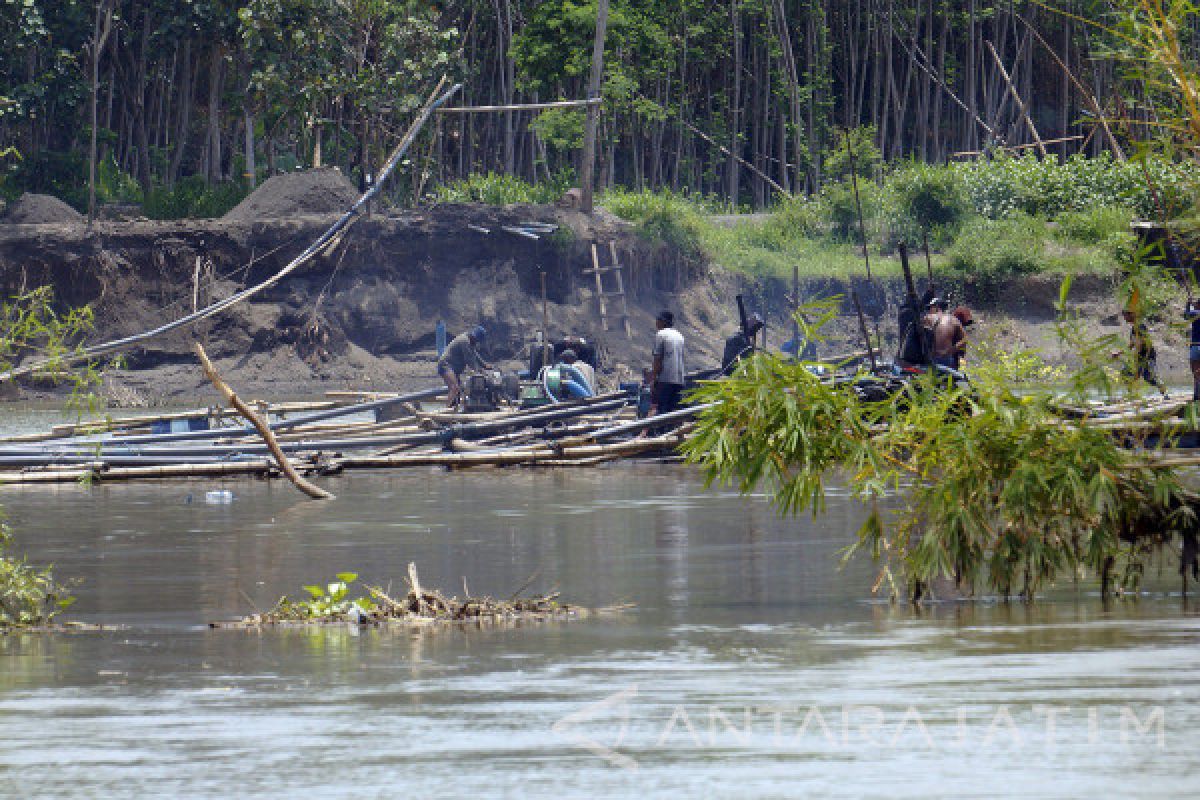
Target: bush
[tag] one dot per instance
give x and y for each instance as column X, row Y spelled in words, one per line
column 1047, row 187
column 498, row 189
column 29, row 596
column 660, row 216
column 841, row 211
column 867, row 158
column 64, row 175
column 192, row 197
column 929, row 200
column 988, row 252
column 1093, row 226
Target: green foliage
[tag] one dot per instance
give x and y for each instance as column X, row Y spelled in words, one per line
column 498, row 189
column 868, row 160
column 193, row 197
column 29, row 596
column 332, row 599
column 31, row 328
column 928, row 200
column 560, row 129
column 1094, row 225
column 989, row 252
column 660, row 216
column 980, row 485
column 996, row 365
column 1004, row 185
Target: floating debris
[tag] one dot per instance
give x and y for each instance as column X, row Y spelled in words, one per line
column 331, row 605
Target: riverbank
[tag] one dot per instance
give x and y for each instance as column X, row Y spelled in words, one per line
column 362, row 317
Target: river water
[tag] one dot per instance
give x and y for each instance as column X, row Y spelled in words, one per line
column 751, row 667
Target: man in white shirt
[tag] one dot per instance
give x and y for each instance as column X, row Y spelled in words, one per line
column 668, row 367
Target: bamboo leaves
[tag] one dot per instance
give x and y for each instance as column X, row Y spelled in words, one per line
column 985, row 487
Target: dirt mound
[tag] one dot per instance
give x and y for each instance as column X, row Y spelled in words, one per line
column 317, row 191
column 41, row 209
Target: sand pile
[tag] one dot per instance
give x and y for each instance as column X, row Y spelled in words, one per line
column 317, row 191
column 42, row 209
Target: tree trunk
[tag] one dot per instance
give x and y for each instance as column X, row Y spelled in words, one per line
column 587, row 168
column 100, row 33
column 215, row 70
column 186, row 99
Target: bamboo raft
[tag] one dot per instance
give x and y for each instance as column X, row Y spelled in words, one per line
column 338, row 434
column 370, row 430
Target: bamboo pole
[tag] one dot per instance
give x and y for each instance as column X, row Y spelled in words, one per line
column 592, row 101
column 862, row 326
column 315, row 492
column 1088, row 98
column 1041, row 148
column 517, row 455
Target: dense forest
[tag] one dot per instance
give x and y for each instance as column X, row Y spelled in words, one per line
column 736, row 99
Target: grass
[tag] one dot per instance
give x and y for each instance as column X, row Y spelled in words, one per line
column 813, row 235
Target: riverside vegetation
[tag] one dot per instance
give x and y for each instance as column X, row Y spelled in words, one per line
column 981, row 485
column 985, row 221
column 31, row 327
column 984, row 486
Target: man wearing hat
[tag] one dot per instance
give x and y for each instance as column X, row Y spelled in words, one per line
column 668, row 367
column 460, row 354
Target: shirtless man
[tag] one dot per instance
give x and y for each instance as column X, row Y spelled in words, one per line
column 949, row 338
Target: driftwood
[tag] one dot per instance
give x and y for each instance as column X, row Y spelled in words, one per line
column 420, row 607
column 254, row 419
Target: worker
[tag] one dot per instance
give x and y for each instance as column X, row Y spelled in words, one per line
column 577, row 383
column 740, row 344
column 1145, row 357
column 948, row 336
column 668, row 369
column 914, row 332
column 1192, row 312
column 963, row 315
column 460, row 354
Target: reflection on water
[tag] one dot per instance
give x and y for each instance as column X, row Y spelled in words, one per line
column 751, row 665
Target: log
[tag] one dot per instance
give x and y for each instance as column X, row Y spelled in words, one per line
column 315, row 492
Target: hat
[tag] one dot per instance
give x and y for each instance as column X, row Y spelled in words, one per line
column 568, row 356
column 666, row 318
column 478, row 333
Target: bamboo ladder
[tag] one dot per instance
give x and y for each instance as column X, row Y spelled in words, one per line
column 599, row 271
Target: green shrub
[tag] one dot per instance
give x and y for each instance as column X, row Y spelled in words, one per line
column 928, row 200
column 988, row 252
column 1047, row 187
column 499, row 189
column 1093, row 226
column 193, row 198
column 796, row 217
column 660, row 216
column 840, row 209
column 867, row 159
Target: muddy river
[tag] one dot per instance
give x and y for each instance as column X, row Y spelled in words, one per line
column 751, row 667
